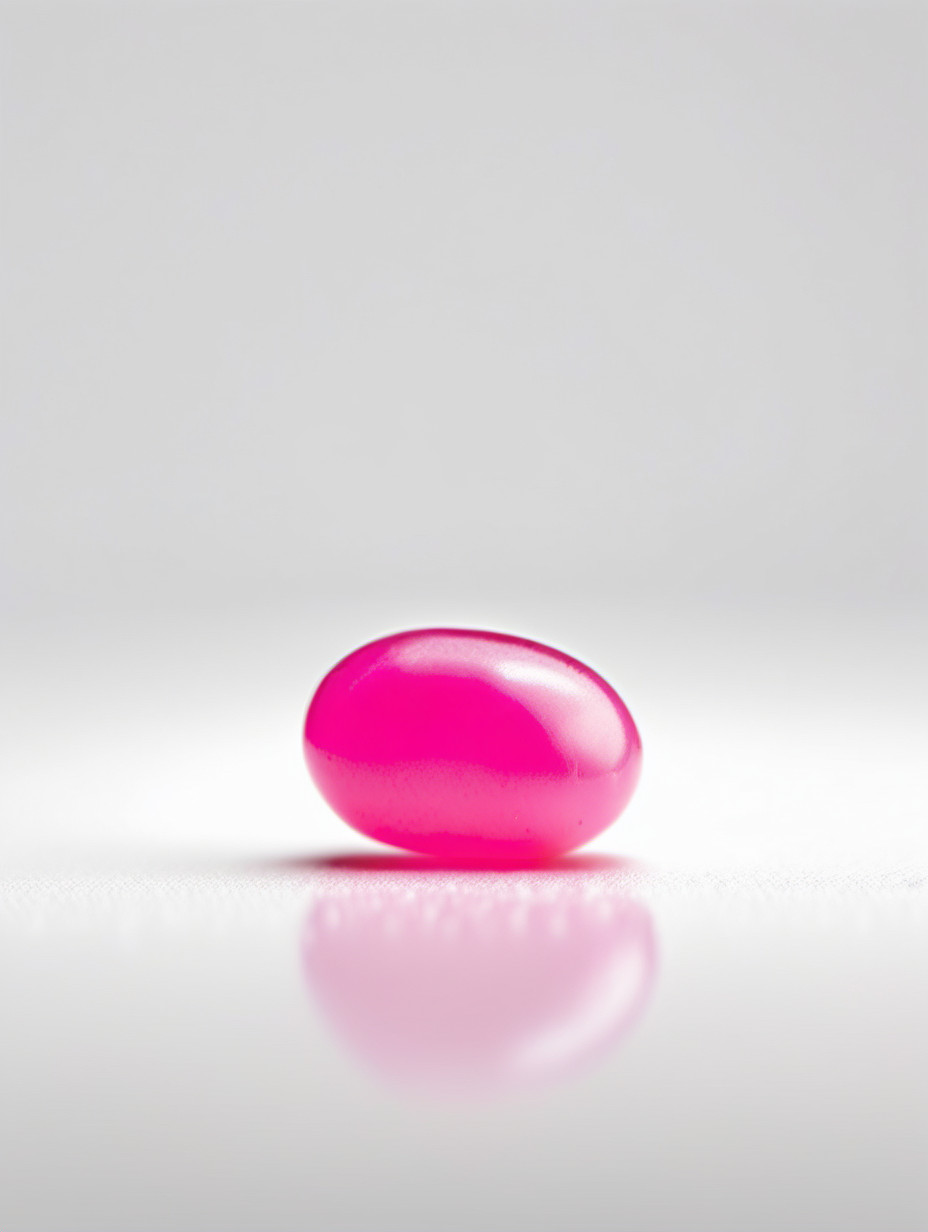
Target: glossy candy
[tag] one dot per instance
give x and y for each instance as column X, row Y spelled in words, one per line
column 463, row 744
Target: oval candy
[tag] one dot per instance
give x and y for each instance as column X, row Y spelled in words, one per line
column 463, row 744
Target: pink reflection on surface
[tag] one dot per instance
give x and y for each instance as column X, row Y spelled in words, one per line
column 478, row 979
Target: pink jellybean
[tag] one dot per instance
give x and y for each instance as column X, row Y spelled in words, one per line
column 463, row 744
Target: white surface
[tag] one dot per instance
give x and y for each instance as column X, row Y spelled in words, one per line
column 166, row 1065
column 166, row 1068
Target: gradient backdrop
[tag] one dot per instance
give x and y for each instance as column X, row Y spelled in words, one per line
column 598, row 323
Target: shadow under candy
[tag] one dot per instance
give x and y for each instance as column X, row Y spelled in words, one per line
column 476, row 978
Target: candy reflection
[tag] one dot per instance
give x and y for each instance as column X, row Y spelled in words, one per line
column 478, row 980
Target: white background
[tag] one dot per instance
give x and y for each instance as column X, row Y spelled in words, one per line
column 302, row 296
column 601, row 324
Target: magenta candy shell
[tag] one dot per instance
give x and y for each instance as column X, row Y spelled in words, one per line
column 463, row 744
